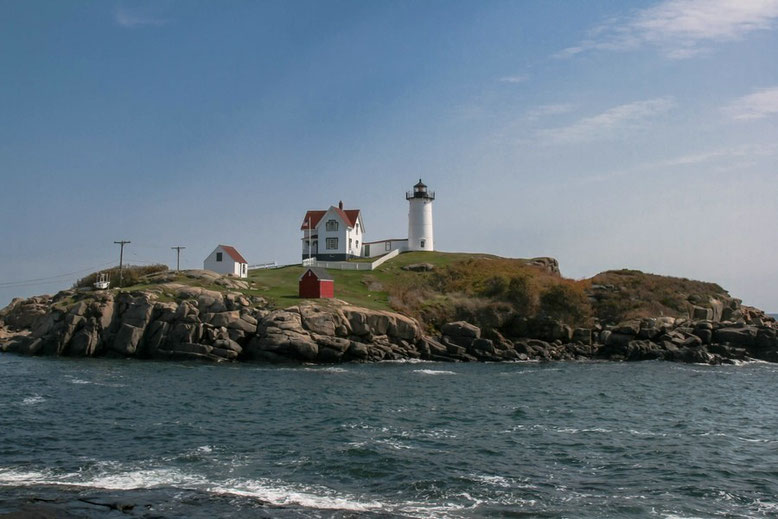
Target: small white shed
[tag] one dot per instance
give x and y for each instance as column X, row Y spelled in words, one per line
column 227, row 260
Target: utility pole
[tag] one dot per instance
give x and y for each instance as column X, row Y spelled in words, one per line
column 121, row 260
column 178, row 257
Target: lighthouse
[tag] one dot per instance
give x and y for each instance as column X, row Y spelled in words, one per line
column 420, row 218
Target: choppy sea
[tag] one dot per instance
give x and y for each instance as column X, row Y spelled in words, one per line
column 164, row 439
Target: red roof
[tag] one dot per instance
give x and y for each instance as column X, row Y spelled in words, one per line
column 233, row 253
column 350, row 216
column 313, row 217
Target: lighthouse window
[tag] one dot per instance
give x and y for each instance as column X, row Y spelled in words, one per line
column 332, row 243
column 332, row 225
column 422, row 244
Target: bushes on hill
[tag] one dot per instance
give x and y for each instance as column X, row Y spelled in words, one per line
column 566, row 302
column 131, row 275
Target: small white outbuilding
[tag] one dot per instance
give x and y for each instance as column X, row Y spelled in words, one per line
column 226, row 260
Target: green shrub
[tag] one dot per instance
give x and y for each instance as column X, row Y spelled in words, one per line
column 494, row 286
column 522, row 295
column 565, row 302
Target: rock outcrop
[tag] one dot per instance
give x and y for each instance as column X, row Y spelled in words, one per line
column 204, row 324
column 197, row 323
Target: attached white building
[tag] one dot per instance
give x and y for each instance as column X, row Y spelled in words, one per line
column 226, row 260
column 373, row 249
column 333, row 235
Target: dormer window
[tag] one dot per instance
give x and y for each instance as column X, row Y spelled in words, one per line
column 332, row 225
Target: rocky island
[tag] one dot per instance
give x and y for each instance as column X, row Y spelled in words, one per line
column 449, row 307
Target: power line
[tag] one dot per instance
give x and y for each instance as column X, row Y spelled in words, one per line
column 11, row 284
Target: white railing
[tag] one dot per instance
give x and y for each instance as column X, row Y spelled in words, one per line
column 351, row 265
column 269, row 265
column 385, row 257
column 342, row 265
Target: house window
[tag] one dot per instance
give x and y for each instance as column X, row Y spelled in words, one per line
column 357, row 227
column 357, row 247
column 218, row 256
column 244, row 268
column 422, row 244
column 388, row 246
column 349, row 244
column 332, row 243
column 332, row 225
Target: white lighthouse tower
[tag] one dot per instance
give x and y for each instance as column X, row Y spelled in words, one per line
column 420, row 218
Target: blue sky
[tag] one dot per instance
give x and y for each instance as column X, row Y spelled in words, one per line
column 606, row 134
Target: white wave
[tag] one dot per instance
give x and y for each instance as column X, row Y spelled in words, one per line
column 434, row 372
column 598, row 430
column 13, row 477
column 645, row 433
column 278, row 493
column 81, row 382
column 496, row 481
column 32, row 400
column 331, row 369
column 766, row 507
column 673, row 515
column 408, row 361
column 755, row 440
column 573, row 430
column 144, row 478
column 122, row 480
column 394, row 444
column 428, row 433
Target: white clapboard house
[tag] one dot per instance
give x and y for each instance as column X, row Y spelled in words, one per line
column 226, row 260
column 332, row 235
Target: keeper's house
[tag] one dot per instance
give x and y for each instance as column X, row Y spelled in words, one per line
column 226, row 260
column 316, row 283
column 333, row 235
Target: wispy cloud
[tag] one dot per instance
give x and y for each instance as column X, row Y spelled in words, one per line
column 680, row 28
column 609, row 123
column 513, row 79
column 719, row 155
column 549, row 110
column 130, row 18
column 722, row 159
column 758, row 105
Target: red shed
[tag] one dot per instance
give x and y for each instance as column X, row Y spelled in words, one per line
column 316, row 283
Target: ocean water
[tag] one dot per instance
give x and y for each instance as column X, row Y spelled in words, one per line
column 648, row 439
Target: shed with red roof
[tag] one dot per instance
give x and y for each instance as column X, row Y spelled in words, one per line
column 316, row 283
